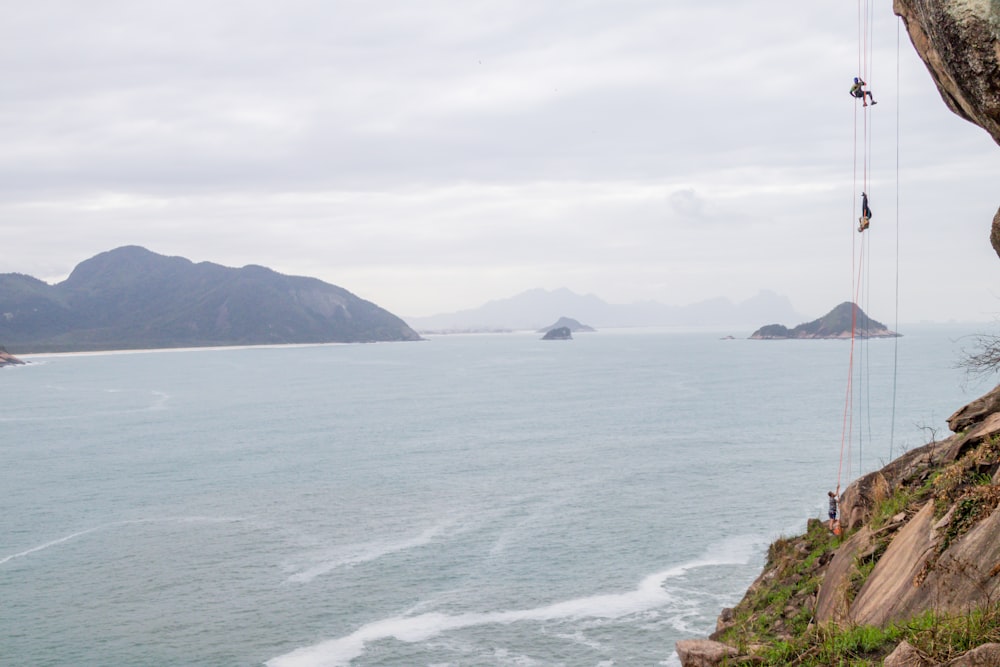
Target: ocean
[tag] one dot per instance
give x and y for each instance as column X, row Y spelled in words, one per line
column 466, row 500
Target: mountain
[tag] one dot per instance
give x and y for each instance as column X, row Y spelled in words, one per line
column 567, row 323
column 838, row 323
column 131, row 298
column 535, row 309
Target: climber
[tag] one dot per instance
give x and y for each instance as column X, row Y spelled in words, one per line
column 866, row 213
column 834, row 524
column 858, row 90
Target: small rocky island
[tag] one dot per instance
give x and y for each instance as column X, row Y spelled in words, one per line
column 838, row 323
column 569, row 323
column 560, row 333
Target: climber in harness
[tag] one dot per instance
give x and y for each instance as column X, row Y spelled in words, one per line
column 858, row 91
column 866, row 213
column 834, row 524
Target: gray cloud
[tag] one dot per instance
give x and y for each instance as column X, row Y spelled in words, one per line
column 433, row 157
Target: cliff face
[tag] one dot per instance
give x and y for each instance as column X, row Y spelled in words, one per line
column 959, row 41
column 920, row 536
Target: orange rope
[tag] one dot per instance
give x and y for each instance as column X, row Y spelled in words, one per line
column 857, row 269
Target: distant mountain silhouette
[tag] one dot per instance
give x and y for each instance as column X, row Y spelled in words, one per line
column 838, row 323
column 537, row 308
column 567, row 323
column 131, row 298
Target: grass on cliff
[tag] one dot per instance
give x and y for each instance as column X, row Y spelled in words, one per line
column 774, row 621
column 781, row 605
column 939, row 637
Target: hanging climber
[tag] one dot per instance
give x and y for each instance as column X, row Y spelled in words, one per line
column 858, row 91
column 866, row 213
column 834, row 524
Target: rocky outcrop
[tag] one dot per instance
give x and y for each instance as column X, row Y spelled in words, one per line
column 921, row 535
column 906, row 655
column 8, row 359
column 703, row 652
column 560, row 333
column 959, row 41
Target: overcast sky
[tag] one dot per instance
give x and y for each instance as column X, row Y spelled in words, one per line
column 431, row 156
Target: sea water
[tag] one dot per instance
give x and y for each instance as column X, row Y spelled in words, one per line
column 466, row 500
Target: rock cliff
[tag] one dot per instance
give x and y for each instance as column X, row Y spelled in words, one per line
column 920, row 551
column 959, row 41
column 8, row 359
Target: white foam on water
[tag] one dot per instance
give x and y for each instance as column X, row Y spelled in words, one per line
column 649, row 594
column 41, row 547
column 355, row 554
column 116, row 524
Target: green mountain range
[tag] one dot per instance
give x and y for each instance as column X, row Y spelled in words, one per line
column 131, row 298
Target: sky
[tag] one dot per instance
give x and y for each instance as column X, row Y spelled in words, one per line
column 434, row 156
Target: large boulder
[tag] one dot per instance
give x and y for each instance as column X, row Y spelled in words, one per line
column 886, row 595
column 906, row 655
column 8, row 359
column 703, row 653
column 987, row 655
column 833, row 601
column 959, row 41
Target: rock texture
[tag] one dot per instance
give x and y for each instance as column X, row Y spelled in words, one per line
column 560, row 333
column 703, row 652
column 906, row 655
column 8, row 359
column 922, row 534
column 959, row 41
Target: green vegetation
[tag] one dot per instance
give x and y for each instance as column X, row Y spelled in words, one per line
column 940, row 637
column 971, row 508
column 899, row 501
column 774, row 624
column 782, row 607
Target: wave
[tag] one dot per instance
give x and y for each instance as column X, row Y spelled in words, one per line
column 118, row 524
column 650, row 594
column 363, row 553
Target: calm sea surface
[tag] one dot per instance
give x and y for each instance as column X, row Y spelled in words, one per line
column 467, row 500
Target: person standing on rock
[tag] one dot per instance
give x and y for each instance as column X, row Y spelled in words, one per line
column 833, row 512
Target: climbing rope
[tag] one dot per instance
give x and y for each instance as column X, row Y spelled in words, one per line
column 858, row 391
column 895, row 344
column 859, row 270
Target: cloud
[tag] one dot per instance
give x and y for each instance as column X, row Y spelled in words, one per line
column 434, row 156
